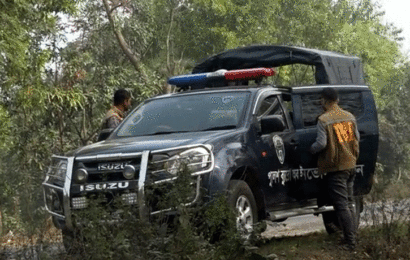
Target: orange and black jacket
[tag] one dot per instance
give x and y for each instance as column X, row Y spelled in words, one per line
column 337, row 141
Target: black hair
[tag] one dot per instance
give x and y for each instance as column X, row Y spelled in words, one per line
column 330, row 94
column 120, row 96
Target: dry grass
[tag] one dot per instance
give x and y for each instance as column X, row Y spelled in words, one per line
column 320, row 246
column 373, row 244
column 48, row 235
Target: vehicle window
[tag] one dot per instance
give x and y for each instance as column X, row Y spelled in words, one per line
column 189, row 113
column 271, row 106
column 352, row 102
column 287, row 102
column 312, row 109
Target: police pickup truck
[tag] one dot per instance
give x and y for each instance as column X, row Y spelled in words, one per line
column 238, row 137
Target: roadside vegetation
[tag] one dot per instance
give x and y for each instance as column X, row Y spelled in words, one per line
column 53, row 97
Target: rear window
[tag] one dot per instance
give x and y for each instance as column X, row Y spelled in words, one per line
column 312, row 109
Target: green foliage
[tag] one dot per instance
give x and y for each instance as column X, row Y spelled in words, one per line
column 5, row 125
column 22, row 22
column 212, row 26
column 394, row 149
column 116, row 230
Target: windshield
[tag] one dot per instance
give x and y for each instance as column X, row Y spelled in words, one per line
column 190, row 113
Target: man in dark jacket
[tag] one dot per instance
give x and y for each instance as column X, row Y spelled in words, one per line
column 338, row 146
column 114, row 116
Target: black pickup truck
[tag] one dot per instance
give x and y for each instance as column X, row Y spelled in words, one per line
column 235, row 134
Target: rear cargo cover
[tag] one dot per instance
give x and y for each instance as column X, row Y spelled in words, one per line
column 331, row 68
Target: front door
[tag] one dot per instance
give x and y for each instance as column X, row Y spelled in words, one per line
column 275, row 150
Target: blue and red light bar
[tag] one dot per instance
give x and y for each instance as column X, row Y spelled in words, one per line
column 231, row 75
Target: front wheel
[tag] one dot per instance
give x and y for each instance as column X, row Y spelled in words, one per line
column 241, row 199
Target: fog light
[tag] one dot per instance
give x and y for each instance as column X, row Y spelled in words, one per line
column 129, row 198
column 129, row 172
column 80, row 175
column 79, row 203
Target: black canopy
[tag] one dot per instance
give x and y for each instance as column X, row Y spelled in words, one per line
column 331, row 68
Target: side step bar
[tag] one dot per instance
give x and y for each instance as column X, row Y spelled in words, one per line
column 284, row 214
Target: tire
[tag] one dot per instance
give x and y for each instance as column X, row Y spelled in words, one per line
column 331, row 221
column 241, row 199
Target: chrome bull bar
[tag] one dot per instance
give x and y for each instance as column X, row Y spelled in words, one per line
column 65, row 190
column 51, row 190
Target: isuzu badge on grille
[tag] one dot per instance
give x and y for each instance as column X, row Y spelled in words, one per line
column 111, row 166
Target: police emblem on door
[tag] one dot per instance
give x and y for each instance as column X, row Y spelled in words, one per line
column 279, row 147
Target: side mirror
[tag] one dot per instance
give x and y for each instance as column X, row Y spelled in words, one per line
column 272, row 123
column 104, row 134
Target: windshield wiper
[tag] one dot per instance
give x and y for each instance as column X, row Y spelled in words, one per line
column 224, row 127
column 167, row 132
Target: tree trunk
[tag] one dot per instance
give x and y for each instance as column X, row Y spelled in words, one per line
column 1, row 224
column 121, row 41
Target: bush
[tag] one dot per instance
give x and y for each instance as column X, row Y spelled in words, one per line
column 204, row 231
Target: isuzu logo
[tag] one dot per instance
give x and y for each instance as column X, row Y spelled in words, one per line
column 111, row 166
column 105, row 186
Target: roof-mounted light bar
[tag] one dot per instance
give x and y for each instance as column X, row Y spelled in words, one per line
column 231, row 75
column 249, row 74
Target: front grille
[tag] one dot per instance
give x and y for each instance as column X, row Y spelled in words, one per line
column 107, row 176
column 112, row 171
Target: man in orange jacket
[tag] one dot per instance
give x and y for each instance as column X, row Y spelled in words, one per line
column 338, row 146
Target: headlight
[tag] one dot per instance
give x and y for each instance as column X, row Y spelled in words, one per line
column 80, row 175
column 195, row 159
column 173, row 164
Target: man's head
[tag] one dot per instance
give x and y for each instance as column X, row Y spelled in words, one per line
column 122, row 99
column 329, row 97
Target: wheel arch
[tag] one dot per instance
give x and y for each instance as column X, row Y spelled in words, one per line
column 249, row 175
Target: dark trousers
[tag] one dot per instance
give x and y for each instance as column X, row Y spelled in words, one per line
column 340, row 188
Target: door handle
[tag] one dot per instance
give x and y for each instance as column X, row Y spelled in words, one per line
column 293, row 142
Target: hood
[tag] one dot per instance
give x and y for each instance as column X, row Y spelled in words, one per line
column 156, row 142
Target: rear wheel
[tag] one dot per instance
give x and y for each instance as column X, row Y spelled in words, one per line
column 241, row 199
